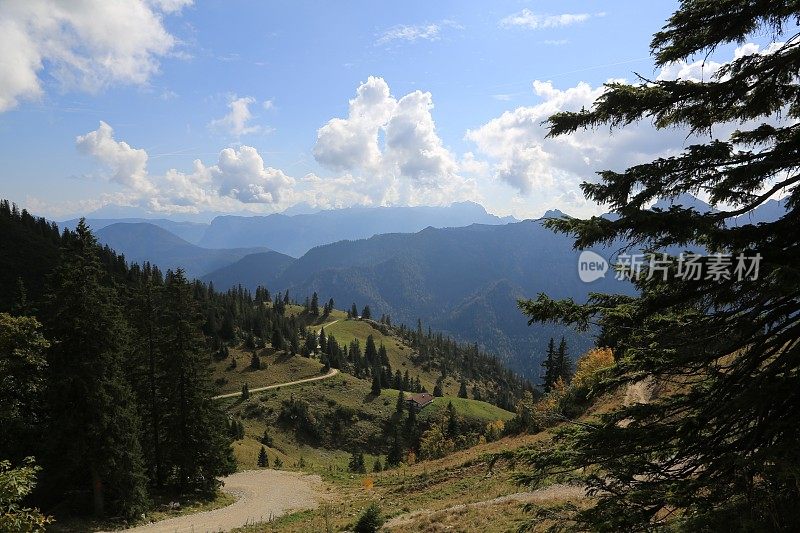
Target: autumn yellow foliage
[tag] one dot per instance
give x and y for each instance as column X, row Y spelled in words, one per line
column 590, row 364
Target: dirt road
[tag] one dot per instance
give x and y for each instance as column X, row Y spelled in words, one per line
column 332, row 372
column 553, row 492
column 260, row 495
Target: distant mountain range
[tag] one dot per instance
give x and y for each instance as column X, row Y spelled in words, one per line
column 190, row 232
column 464, row 280
column 301, row 228
column 141, row 242
column 296, row 234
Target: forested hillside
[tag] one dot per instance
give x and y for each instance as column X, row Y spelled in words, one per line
column 113, row 397
column 462, row 281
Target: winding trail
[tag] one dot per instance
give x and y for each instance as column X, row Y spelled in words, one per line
column 260, row 495
column 332, row 372
column 553, row 492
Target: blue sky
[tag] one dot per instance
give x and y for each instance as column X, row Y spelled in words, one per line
column 452, row 96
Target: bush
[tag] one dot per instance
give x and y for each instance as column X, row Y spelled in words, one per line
column 589, row 367
column 370, row 520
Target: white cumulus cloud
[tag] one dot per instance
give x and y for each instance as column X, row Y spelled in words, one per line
column 128, row 165
column 520, row 154
column 238, row 177
column 237, row 121
column 394, row 143
column 69, row 40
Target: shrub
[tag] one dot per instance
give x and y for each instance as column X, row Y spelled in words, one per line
column 370, row 520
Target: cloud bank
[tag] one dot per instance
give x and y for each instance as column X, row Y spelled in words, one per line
column 65, row 39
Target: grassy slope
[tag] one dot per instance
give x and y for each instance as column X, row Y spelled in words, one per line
column 462, row 477
column 439, row 488
column 399, row 354
column 276, row 367
column 343, row 390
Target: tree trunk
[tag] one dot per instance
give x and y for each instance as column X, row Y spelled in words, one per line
column 98, row 498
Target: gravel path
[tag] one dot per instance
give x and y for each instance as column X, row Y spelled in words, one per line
column 332, row 372
column 553, row 492
column 260, row 495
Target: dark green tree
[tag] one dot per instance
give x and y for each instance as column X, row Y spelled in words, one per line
column 370, row 351
column 563, row 365
column 263, row 460
column 255, row 361
column 356, row 464
column 370, row 520
column 462, row 390
column 94, row 429
column 195, row 439
column 366, row 314
column 550, row 377
column 376, row 380
column 718, row 450
column 314, row 306
column 23, row 368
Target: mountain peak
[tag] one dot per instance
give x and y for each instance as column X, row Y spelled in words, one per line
column 554, row 213
column 686, row 201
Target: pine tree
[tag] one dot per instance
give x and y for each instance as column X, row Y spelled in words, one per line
column 314, row 307
column 376, row 381
column 195, row 440
column 94, row 429
column 263, row 460
column 453, row 424
column 395, row 455
column 353, row 311
column 245, row 392
column 563, row 365
column 715, row 452
column 462, row 390
column 366, row 314
column 401, row 402
column 550, row 367
column 255, row 361
column 147, row 371
column 370, row 351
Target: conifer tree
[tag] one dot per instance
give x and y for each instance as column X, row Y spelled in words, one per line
column 263, row 460
column 370, row 351
column 195, row 440
column 715, row 451
column 376, row 381
column 401, row 402
column 94, row 430
column 563, row 366
column 366, row 314
column 462, row 390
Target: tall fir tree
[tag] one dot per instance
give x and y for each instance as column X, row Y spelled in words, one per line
column 718, row 449
column 93, row 431
column 196, row 442
column 549, row 377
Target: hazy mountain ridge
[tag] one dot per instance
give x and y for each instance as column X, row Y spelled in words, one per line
column 144, row 242
column 296, row 234
column 464, row 281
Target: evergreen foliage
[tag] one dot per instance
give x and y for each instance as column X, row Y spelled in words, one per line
column 718, row 450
